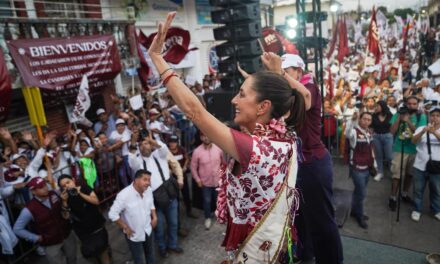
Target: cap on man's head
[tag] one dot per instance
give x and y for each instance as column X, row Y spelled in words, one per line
column 434, row 109
column 292, row 60
column 120, row 121
column 36, row 183
column 17, row 156
column 153, row 111
column 173, row 138
column 100, row 111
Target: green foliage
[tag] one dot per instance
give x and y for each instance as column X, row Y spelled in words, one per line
column 403, row 12
column 383, row 9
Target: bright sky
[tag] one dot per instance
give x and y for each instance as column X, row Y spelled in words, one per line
column 348, row 5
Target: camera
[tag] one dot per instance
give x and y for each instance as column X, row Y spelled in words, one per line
column 72, row 192
column 144, row 133
column 403, row 110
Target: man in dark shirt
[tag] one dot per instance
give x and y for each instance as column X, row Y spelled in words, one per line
column 182, row 157
column 80, row 204
column 316, row 224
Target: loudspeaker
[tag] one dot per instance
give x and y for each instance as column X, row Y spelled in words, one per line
column 241, row 49
column 218, row 103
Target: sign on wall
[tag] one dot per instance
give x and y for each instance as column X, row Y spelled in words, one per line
column 203, row 11
column 156, row 10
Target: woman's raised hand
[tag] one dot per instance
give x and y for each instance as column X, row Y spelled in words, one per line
column 272, row 62
column 162, row 29
column 242, row 72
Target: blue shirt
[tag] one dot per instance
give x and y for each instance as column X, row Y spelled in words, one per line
column 111, row 126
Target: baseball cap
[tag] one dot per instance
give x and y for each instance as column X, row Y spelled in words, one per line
column 292, row 60
column 100, row 111
column 434, row 109
column 120, row 121
column 36, row 183
column 153, row 111
column 17, row 156
column 173, row 138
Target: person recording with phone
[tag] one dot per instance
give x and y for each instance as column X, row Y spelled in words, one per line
column 403, row 124
column 427, row 165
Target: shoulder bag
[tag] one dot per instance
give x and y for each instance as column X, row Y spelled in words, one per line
column 432, row 166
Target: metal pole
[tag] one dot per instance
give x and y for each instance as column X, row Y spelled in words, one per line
column 400, row 180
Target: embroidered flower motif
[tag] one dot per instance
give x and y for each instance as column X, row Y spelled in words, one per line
column 265, row 147
column 266, row 182
column 241, row 213
column 251, row 193
column 278, row 155
column 255, row 159
column 273, row 170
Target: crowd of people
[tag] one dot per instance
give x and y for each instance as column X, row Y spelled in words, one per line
column 67, row 180
column 377, row 112
column 380, row 117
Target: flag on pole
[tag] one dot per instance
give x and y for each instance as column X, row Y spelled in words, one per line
column 373, row 38
column 332, row 43
column 343, row 49
column 405, row 43
column 82, row 101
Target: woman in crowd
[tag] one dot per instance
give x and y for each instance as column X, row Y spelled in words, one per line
column 329, row 125
column 427, row 151
column 256, row 185
column 382, row 138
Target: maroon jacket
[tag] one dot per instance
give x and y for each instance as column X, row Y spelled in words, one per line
column 362, row 154
column 48, row 222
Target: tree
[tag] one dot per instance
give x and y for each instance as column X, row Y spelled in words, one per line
column 383, row 9
column 403, row 12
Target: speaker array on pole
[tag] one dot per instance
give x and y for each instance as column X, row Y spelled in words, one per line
column 241, row 31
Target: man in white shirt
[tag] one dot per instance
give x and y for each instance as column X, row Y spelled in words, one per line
column 429, row 93
column 153, row 157
column 120, row 139
column 134, row 212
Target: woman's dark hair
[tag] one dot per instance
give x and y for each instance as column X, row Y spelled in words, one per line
column 365, row 113
column 273, row 87
column 62, row 177
column 85, row 141
column 385, row 109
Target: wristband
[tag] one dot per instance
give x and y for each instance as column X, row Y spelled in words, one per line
column 160, row 75
column 167, row 79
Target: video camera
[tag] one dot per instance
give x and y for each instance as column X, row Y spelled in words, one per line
column 403, row 110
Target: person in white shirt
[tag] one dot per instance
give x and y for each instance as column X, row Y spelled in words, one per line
column 120, row 138
column 152, row 156
column 134, row 212
column 421, row 175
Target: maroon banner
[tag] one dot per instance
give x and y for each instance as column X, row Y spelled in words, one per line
column 373, row 37
column 5, row 89
column 59, row 63
column 343, row 49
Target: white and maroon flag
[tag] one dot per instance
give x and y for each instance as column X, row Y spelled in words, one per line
column 82, row 101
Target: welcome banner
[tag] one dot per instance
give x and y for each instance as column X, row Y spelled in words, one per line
column 59, row 63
